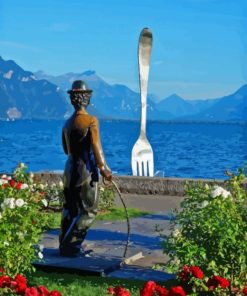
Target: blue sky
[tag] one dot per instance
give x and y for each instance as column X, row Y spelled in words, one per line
column 199, row 46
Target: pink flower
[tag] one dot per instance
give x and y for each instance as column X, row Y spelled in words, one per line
column 176, row 291
column 32, row 291
column 148, row 289
column 55, row 293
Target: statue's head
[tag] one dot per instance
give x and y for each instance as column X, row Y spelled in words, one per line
column 80, row 94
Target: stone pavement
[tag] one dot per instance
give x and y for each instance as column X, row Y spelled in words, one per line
column 109, row 237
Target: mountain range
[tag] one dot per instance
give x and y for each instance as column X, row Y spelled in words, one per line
column 26, row 95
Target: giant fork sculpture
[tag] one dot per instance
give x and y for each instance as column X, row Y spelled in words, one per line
column 142, row 154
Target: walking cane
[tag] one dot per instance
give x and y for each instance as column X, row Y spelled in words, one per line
column 126, row 215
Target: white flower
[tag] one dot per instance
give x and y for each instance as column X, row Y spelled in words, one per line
column 19, row 202
column 3, row 181
column 31, row 175
column 206, row 186
column 21, row 165
column 102, row 189
column 44, row 202
column 24, row 186
column 4, row 176
column 8, row 203
column 6, row 244
column 60, row 184
column 53, row 185
column 40, row 255
column 219, row 191
column 176, row 233
column 20, row 235
column 41, row 186
column 9, row 178
column 204, row 204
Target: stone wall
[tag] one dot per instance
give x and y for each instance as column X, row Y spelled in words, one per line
column 141, row 185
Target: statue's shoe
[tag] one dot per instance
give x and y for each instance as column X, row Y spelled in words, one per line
column 74, row 252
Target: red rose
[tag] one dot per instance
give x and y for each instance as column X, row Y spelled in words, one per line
column 43, row 291
column 161, row 291
column 196, row 272
column 244, row 290
column 5, row 281
column 31, row 292
column 5, row 185
column 110, row 290
column 55, row 293
column 148, row 289
column 176, row 291
column 184, row 274
column 13, row 284
column 120, row 291
column 21, row 284
column 12, row 183
column 19, row 278
column 216, row 281
column 18, row 186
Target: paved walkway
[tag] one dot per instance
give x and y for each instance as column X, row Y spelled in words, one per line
column 107, row 237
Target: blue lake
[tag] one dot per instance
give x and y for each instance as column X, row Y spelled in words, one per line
column 188, row 150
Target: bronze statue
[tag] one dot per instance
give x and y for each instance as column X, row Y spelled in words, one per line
column 81, row 142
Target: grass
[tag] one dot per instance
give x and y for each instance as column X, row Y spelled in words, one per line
column 76, row 285
column 114, row 214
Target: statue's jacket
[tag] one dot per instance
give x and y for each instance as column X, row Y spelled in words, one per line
column 81, row 142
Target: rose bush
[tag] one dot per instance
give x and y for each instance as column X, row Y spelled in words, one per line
column 210, row 230
column 21, row 221
column 191, row 281
column 18, row 286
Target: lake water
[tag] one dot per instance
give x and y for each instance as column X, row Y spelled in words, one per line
column 188, row 150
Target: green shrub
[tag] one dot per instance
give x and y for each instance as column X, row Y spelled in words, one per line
column 21, row 221
column 210, row 231
column 106, row 197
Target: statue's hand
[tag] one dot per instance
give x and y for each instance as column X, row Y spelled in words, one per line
column 107, row 174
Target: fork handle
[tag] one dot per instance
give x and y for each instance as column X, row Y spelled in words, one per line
column 144, row 53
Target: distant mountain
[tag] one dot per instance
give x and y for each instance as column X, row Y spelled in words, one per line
column 176, row 106
column 228, row 108
column 112, row 101
column 23, row 96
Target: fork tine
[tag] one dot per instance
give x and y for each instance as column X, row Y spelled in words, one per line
column 151, row 168
column 145, row 168
column 134, row 168
column 140, row 168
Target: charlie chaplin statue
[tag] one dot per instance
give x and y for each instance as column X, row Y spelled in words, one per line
column 81, row 142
